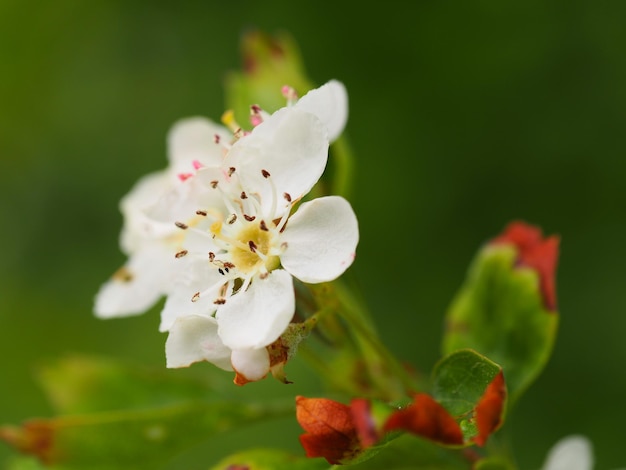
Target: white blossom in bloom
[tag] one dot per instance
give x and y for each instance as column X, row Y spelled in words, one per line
column 151, row 244
column 570, row 453
column 236, row 293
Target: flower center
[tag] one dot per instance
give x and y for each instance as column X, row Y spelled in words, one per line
column 257, row 254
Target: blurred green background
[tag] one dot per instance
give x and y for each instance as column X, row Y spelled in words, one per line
column 463, row 116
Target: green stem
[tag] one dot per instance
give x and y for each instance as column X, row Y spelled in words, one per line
column 365, row 333
column 379, row 360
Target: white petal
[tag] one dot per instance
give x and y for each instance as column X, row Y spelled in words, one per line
column 321, row 239
column 143, row 194
column 570, row 453
column 257, row 317
column 330, row 104
column 253, row 364
column 195, row 276
column 138, row 285
column 193, row 339
column 182, row 200
column 194, row 139
column 291, row 145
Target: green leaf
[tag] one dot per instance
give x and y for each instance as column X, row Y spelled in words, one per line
column 133, row 439
column 79, row 384
column 461, row 381
column 500, row 313
column 24, row 463
column 494, row 463
column 269, row 459
column 113, row 415
column 404, row 453
column 409, row 452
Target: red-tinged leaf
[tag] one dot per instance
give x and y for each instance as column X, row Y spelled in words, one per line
column 426, row 418
column 330, row 430
column 363, row 421
column 535, row 252
column 489, row 410
column 34, row 438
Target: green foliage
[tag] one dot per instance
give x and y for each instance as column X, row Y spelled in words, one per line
column 78, row 384
column 409, row 452
column 161, row 416
column 499, row 312
column 494, row 463
column 24, row 463
column 460, row 380
column 268, row 459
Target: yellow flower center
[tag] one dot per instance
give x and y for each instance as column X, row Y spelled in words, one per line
column 252, row 253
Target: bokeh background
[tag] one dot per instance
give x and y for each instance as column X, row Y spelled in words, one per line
column 463, row 116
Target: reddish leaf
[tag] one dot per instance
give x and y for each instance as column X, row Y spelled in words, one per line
column 488, row 411
column 426, row 418
column 34, row 437
column 536, row 252
column 365, row 426
column 330, row 430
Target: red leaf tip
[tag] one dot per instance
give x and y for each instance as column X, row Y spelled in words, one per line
column 427, row 418
column 488, row 413
column 536, row 252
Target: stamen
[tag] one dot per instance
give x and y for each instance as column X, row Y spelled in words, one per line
column 252, row 246
column 211, row 256
column 220, row 301
column 217, row 138
column 290, row 94
column 223, row 287
column 231, row 170
column 249, row 218
column 228, row 118
column 283, row 220
column 287, row 197
column 184, row 176
column 123, row 275
column 202, row 213
column 243, row 195
column 246, row 283
column 197, row 164
column 267, row 175
column 214, row 184
column 263, row 226
column 231, row 219
column 181, row 253
column 228, row 240
column 181, row 225
column 255, row 115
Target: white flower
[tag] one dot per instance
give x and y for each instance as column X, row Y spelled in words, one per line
column 148, row 238
column 151, row 244
column 241, row 258
column 570, row 453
